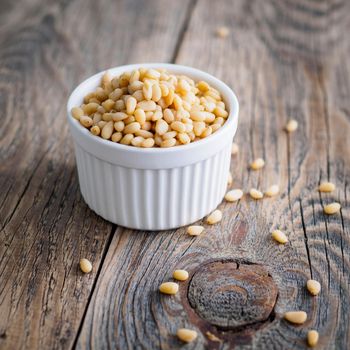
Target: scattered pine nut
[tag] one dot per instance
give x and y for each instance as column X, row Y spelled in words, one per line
column 332, row 208
column 186, row 335
column 272, row 191
column 169, row 288
column 296, row 317
column 312, row 338
column 234, row 148
column 256, row 194
column 195, row 230
column 257, row 164
column 222, row 32
column 234, row 195
column 214, row 217
column 229, row 179
column 326, row 187
column 292, row 125
column 279, row 236
column 85, row 265
column 180, row 275
column 212, row 337
column 314, row 287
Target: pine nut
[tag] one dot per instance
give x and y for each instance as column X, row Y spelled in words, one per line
column 107, row 117
column 138, row 95
column 152, row 74
column 147, row 105
column 147, row 143
column 195, row 230
column 272, row 191
column 107, row 130
column 198, row 128
column 86, row 121
column 313, row 287
column 97, row 117
column 332, row 208
column 135, row 76
column 203, row 86
column 85, row 265
column 126, row 140
column 180, row 275
column 116, row 137
column 147, row 126
column 144, row 133
column 168, row 115
column 116, row 94
column 108, row 105
column 214, row 217
column 168, row 143
column 279, row 236
column 296, row 317
column 256, row 194
column 140, row 116
column 234, row 195
column 137, row 141
column 119, row 116
column 119, row 126
column 207, row 131
column 184, row 138
column 212, row 337
column 132, row 128
column 326, row 187
column 292, row 125
column 77, row 112
column 119, row 105
column 169, row 288
column 90, row 108
column 129, row 119
column 169, row 135
column 312, row 338
column 234, row 148
column 186, row 335
column 178, row 126
column 257, row 164
column 222, row 32
column 156, row 93
column 95, row 130
column 215, row 127
column 131, row 105
column 220, row 112
column 197, row 116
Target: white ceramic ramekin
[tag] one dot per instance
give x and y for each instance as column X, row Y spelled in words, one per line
column 153, row 188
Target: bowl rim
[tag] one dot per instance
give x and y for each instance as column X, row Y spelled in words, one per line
column 228, row 95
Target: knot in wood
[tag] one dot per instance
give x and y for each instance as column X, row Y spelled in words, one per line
column 231, row 295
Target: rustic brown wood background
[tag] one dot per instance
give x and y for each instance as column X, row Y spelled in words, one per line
column 283, row 59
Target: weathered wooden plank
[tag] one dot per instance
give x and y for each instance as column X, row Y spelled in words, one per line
column 45, row 225
column 277, row 60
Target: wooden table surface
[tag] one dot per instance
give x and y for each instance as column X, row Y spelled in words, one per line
column 284, row 59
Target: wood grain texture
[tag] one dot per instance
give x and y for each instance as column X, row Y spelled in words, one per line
column 45, row 225
column 276, row 77
column 284, row 59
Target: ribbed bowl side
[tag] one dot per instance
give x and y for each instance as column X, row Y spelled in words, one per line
column 153, row 199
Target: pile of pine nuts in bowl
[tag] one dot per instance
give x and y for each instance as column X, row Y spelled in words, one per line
column 152, row 142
